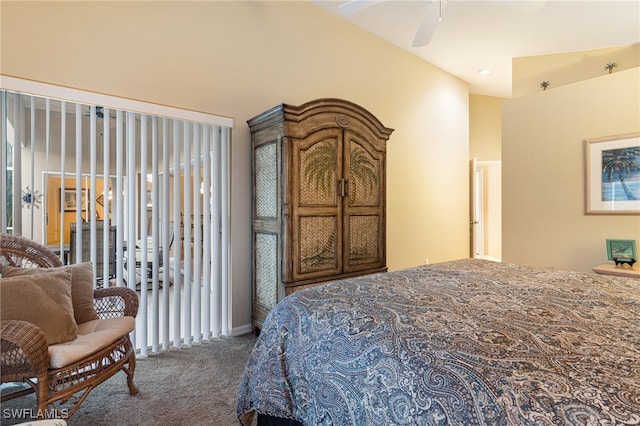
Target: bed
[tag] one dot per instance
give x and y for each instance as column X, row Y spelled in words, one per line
column 463, row 342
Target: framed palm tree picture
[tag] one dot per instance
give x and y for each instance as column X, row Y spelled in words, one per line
column 612, row 174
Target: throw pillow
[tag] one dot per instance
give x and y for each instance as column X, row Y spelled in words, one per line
column 43, row 300
column 81, row 287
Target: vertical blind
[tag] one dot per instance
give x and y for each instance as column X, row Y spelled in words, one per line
column 143, row 196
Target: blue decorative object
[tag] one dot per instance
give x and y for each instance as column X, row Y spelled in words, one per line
column 31, row 198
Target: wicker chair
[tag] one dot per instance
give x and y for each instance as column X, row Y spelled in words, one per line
column 24, row 355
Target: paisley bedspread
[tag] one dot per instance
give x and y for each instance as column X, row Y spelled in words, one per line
column 466, row 342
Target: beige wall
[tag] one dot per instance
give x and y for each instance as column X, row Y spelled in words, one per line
column 240, row 58
column 543, row 170
column 485, row 127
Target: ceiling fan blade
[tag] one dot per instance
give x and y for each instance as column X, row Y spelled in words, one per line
column 432, row 16
column 354, row 6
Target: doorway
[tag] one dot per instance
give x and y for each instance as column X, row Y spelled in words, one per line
column 486, row 209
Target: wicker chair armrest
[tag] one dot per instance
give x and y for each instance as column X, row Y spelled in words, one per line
column 115, row 302
column 23, row 350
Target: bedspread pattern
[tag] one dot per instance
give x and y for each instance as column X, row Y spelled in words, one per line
column 457, row 343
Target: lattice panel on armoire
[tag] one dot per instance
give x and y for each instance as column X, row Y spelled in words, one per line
column 318, row 176
column 266, row 180
column 266, row 255
column 365, row 169
column 363, row 238
column 318, row 247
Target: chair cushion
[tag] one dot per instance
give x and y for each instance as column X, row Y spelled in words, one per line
column 43, row 300
column 92, row 336
column 81, row 287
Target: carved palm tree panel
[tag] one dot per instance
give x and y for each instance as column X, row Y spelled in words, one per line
column 365, row 169
column 318, row 249
column 363, row 239
column 318, row 168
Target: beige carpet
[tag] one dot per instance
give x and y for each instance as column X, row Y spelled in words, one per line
column 196, row 385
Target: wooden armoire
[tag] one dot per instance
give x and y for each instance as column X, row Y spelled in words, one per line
column 318, row 197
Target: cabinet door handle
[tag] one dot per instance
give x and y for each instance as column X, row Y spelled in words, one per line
column 342, row 187
column 346, row 188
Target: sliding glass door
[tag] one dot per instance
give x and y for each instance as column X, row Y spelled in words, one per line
column 143, row 196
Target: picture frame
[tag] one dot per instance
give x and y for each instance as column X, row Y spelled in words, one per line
column 68, row 199
column 621, row 249
column 612, row 175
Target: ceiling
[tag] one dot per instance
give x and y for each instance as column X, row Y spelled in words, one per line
column 477, row 34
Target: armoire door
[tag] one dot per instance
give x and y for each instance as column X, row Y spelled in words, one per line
column 316, row 221
column 363, row 206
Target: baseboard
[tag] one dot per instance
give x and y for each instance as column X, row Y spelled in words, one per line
column 239, row 331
